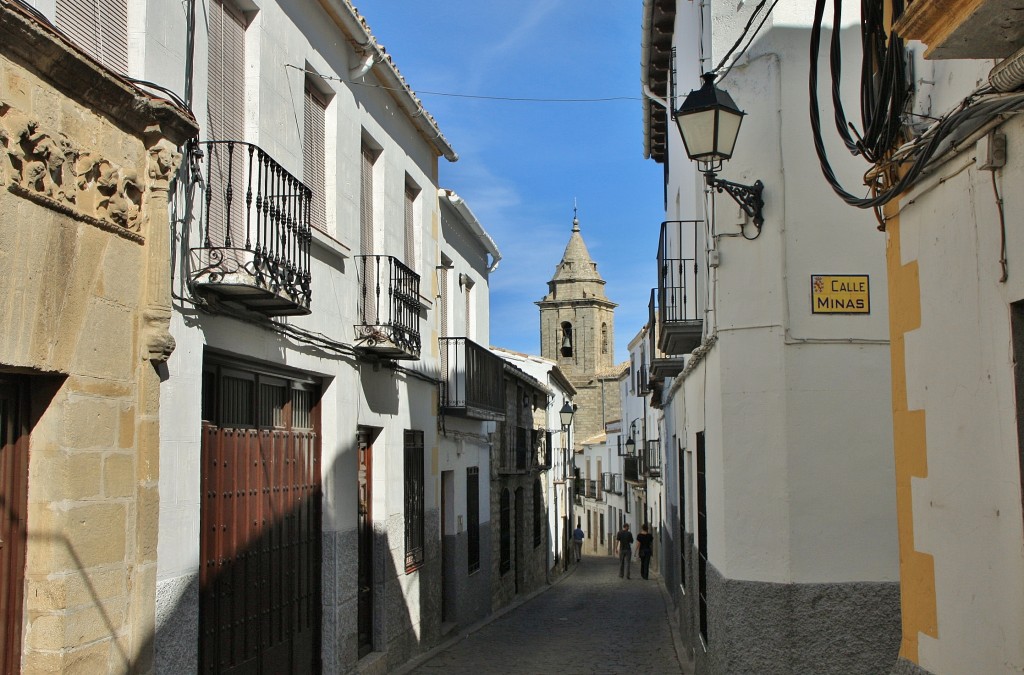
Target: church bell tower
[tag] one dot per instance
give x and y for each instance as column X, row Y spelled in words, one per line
column 577, row 331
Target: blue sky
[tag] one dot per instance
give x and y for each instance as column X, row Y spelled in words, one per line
column 522, row 163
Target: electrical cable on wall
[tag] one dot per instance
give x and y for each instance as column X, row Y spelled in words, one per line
column 885, row 95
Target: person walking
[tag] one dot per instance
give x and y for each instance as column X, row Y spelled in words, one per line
column 624, row 547
column 645, row 549
column 577, row 541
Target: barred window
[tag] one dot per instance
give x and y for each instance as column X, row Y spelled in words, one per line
column 473, row 516
column 506, row 533
column 414, row 501
column 538, row 514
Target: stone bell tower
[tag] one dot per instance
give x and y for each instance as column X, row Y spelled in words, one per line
column 577, row 331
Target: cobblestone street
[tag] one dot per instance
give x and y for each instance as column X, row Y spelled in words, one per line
column 590, row 622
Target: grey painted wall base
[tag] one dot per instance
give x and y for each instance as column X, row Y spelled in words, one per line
column 760, row 627
column 467, row 596
column 177, row 625
column 904, row 667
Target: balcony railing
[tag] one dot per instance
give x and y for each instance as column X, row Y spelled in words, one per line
column 633, row 470
column 679, row 320
column 611, row 483
column 471, row 380
column 389, row 307
column 652, row 459
column 518, row 456
column 662, row 365
column 254, row 233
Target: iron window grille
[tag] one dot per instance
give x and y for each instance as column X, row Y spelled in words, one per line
column 414, row 500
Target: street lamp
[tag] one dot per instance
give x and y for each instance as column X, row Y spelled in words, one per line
column 709, row 123
column 565, row 415
column 630, row 447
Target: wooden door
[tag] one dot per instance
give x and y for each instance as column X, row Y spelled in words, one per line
column 13, row 504
column 260, row 516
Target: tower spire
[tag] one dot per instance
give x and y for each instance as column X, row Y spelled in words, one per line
column 575, row 219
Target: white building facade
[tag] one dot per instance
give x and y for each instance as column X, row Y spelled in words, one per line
column 302, row 469
column 780, row 535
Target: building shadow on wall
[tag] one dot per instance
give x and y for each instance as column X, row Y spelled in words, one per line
column 282, row 596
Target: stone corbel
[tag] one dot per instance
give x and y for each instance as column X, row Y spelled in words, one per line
column 157, row 340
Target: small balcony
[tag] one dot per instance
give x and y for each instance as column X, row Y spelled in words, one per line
column 652, row 459
column 521, row 456
column 633, row 470
column 254, row 230
column 389, row 308
column 611, row 483
column 471, row 380
column 680, row 323
column 662, row 365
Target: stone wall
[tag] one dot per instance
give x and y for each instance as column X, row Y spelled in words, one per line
column 84, row 297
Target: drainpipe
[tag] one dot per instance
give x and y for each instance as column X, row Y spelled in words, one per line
column 363, row 68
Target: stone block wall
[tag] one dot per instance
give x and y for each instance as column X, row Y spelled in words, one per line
column 84, row 302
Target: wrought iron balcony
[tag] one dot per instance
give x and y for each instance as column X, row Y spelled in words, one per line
column 519, row 456
column 389, row 307
column 254, row 229
column 611, row 482
column 652, row 459
column 662, row 365
column 633, row 470
column 680, row 323
column 471, row 380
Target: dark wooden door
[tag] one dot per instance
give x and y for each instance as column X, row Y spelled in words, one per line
column 365, row 530
column 260, row 548
column 13, row 504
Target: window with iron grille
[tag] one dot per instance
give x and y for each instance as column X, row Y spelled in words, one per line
column 239, row 396
column 505, row 522
column 682, row 514
column 702, row 538
column 473, row 517
column 538, row 514
column 313, row 153
column 100, row 27
column 414, row 502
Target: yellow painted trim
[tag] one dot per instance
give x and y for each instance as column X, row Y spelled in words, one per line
column 917, row 569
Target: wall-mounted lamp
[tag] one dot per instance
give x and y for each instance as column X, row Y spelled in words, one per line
column 709, row 123
column 631, row 440
column 566, row 414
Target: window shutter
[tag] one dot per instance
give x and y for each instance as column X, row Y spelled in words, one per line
column 366, row 203
column 410, row 230
column 313, row 145
column 226, row 122
column 100, row 27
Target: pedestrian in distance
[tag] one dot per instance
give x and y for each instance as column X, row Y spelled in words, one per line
column 624, row 547
column 577, row 541
column 645, row 549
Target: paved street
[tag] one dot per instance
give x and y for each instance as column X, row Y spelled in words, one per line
column 590, row 622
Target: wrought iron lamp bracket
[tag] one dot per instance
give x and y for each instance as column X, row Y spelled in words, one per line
column 747, row 196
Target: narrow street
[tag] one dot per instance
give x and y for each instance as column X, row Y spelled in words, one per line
column 590, row 622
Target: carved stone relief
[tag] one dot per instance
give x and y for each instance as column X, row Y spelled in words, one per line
column 51, row 169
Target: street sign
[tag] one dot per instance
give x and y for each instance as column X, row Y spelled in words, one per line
column 840, row 294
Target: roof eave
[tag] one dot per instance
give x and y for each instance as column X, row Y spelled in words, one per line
column 348, row 18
